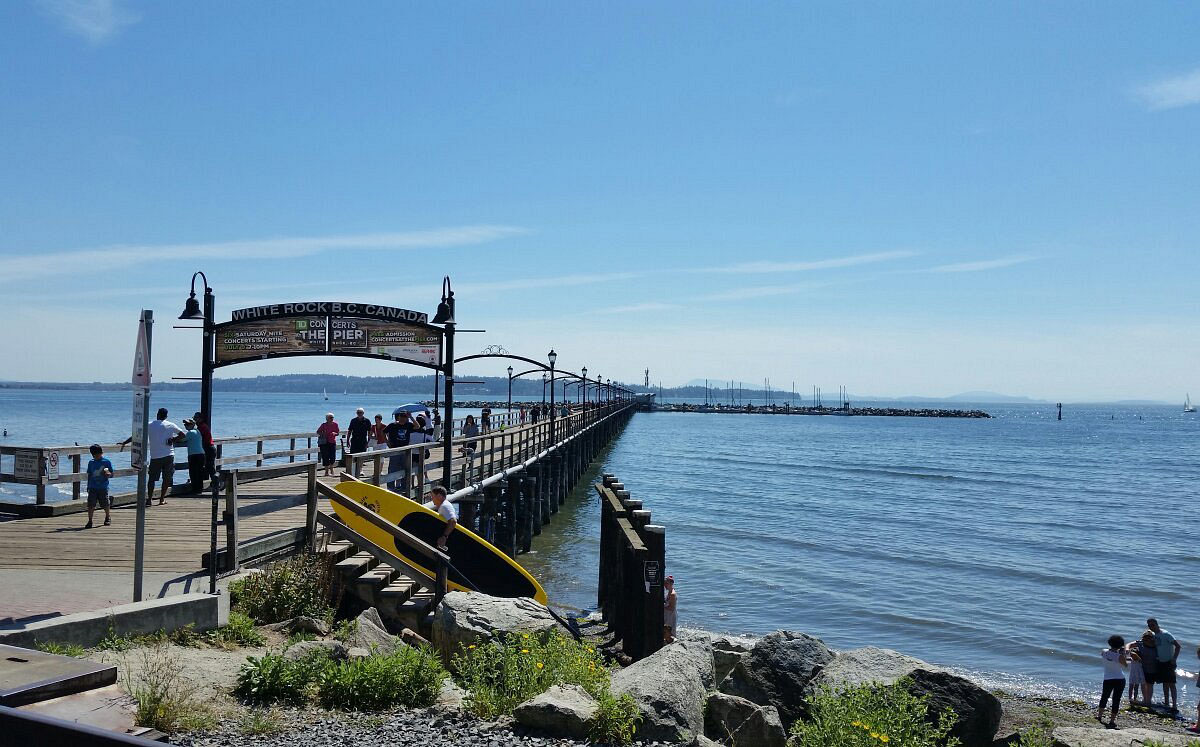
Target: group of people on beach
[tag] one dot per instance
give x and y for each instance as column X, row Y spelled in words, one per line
column 1150, row 659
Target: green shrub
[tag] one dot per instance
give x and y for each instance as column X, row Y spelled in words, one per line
column 165, row 699
column 258, row 721
column 240, row 631
column 615, row 721
column 501, row 675
column 61, row 649
column 299, row 637
column 345, row 630
column 301, row 585
column 873, row 715
column 408, row 676
column 186, row 636
column 1040, row 733
column 271, row 678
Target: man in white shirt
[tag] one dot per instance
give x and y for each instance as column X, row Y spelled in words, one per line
column 446, row 510
column 162, row 435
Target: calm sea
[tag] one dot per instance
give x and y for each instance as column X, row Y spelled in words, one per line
column 1009, row 548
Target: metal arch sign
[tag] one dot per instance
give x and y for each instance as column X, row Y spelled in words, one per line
column 328, row 328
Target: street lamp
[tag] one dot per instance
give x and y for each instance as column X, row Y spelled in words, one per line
column 583, row 389
column 191, row 311
column 545, row 378
column 445, row 316
column 552, row 357
column 510, row 390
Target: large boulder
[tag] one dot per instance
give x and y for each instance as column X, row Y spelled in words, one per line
column 780, row 671
column 1084, row 736
column 464, row 618
column 561, row 711
column 370, row 633
column 728, row 650
column 669, row 687
column 737, row 721
column 977, row 710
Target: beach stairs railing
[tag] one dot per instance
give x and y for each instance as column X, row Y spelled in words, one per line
column 404, row 593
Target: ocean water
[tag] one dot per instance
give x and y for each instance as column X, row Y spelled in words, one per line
column 1008, row 548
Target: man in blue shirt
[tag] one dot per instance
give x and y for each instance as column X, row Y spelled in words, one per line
column 1168, row 653
column 99, row 469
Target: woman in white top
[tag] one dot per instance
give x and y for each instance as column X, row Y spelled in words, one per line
column 1114, row 658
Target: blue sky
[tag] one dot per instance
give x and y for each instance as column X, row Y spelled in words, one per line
column 916, row 198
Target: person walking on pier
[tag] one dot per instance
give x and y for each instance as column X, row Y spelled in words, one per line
column 446, row 510
column 327, row 434
column 397, row 435
column 358, row 431
column 195, row 452
column 162, row 437
column 99, row 469
column 378, row 433
column 485, row 417
column 419, row 435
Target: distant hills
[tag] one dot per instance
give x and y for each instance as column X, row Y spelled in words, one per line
column 497, row 386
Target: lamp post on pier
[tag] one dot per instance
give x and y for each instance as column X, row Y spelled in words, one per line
column 191, row 311
column 445, row 316
column 510, row 370
column 583, row 390
column 552, row 357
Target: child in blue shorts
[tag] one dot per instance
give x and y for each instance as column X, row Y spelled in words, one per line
column 99, row 469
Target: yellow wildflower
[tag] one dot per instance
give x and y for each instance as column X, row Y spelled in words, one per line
column 884, row 738
column 539, row 665
column 524, row 650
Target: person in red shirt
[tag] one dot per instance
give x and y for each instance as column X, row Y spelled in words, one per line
column 327, row 439
column 210, row 449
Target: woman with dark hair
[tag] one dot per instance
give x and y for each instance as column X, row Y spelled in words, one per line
column 1115, row 659
column 327, row 440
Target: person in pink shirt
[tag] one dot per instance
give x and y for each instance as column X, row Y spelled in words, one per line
column 327, row 435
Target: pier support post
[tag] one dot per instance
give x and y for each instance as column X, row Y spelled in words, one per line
column 491, row 517
column 655, row 538
column 524, row 513
column 511, row 501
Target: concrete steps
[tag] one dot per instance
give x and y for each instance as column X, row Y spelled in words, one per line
column 400, row 600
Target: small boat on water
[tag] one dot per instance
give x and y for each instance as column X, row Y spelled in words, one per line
column 1187, row 404
column 323, row 393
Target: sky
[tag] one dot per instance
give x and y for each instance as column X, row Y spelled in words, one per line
column 913, row 198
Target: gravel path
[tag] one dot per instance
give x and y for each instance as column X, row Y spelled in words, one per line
column 398, row 728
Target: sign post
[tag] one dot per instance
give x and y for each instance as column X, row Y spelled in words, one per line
column 137, row 449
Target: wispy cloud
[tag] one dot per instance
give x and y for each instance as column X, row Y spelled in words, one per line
column 760, row 268
column 636, row 308
column 35, row 265
column 94, row 20
column 561, row 281
column 986, row 264
column 1173, row 92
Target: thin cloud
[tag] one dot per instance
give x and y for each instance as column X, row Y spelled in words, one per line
column 94, row 20
column 1172, row 93
column 636, row 308
column 986, row 264
column 561, row 281
column 36, row 265
column 760, row 268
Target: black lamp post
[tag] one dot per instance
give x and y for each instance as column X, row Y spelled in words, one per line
column 583, row 390
column 510, row 390
column 552, row 357
column 445, row 316
column 191, row 310
column 545, row 378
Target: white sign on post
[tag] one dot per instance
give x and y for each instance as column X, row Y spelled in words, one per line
column 139, row 428
column 141, row 358
column 52, row 465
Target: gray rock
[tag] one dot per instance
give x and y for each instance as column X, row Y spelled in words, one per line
column 304, row 649
column 738, row 721
column 451, row 697
column 1082, row 736
column 561, row 711
column 309, row 625
column 669, row 687
column 465, row 618
column 978, row 711
column 357, row 652
column 728, row 650
column 372, row 635
column 703, row 741
column 780, row 671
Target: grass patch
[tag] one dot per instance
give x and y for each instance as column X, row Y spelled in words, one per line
column 870, row 716
column 409, row 676
column 1040, row 733
column 260, row 721
column 239, row 632
column 166, row 700
column 300, row 585
column 61, row 649
column 299, row 637
column 271, row 678
column 345, row 630
column 501, row 675
column 616, row 720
